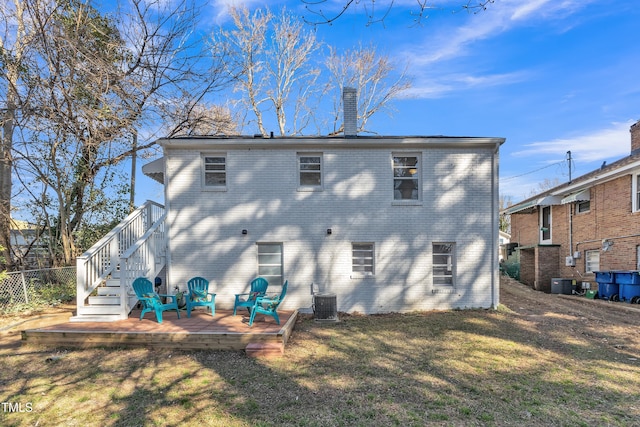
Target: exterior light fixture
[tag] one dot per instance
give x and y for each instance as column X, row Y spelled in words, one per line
column 329, row 231
column 244, row 231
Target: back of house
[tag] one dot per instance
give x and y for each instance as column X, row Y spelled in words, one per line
column 387, row 224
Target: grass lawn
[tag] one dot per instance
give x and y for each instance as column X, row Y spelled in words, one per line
column 455, row 368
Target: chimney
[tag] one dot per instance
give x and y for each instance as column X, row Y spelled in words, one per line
column 635, row 138
column 350, row 107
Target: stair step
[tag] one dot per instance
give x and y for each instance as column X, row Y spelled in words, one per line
column 104, row 291
column 97, row 318
column 99, row 309
column 104, row 300
column 264, row 349
column 115, row 283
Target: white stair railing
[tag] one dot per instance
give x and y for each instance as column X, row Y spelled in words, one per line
column 145, row 258
column 103, row 259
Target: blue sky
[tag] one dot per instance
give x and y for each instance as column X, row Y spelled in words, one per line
column 548, row 75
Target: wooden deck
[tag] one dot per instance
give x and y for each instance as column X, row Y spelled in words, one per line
column 201, row 331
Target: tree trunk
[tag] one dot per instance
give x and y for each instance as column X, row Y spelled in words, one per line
column 6, row 166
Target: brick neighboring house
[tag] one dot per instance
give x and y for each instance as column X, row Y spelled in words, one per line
column 590, row 224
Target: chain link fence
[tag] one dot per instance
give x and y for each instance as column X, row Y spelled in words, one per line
column 22, row 290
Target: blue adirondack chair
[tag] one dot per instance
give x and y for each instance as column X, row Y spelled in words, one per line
column 258, row 288
column 268, row 305
column 199, row 296
column 151, row 301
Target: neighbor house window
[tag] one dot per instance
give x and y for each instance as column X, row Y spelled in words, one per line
column 215, row 171
column 309, row 171
column 592, row 261
column 406, row 177
column 635, row 191
column 270, row 262
column 362, row 258
column 582, row 207
column 443, row 264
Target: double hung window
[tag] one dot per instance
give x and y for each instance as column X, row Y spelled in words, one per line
column 214, row 167
column 635, row 192
column 406, row 177
column 309, row 171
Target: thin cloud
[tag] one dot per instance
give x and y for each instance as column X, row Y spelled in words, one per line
column 439, row 85
column 611, row 142
column 221, row 7
column 499, row 18
column 454, row 43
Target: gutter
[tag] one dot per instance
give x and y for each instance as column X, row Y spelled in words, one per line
column 606, row 176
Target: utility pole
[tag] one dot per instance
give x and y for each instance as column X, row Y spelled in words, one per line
column 132, row 186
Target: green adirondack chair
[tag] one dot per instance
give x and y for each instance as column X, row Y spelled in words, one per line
column 268, row 305
column 151, row 301
column 199, row 296
column 258, row 288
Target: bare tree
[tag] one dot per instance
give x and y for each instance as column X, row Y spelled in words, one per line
column 374, row 77
column 16, row 38
column 202, row 120
column 377, row 11
column 544, row 185
column 286, row 76
column 95, row 82
column 504, row 221
column 272, row 55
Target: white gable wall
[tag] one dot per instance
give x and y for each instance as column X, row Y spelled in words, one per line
column 356, row 203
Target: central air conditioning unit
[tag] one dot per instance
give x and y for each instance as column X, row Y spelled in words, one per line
column 325, row 307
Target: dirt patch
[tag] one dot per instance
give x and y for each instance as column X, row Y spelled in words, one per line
column 611, row 323
column 12, row 325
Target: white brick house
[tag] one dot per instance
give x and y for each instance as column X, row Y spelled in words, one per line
column 388, row 224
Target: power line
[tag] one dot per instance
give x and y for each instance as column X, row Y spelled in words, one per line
column 533, row 171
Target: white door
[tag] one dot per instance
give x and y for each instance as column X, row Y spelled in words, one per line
column 545, row 224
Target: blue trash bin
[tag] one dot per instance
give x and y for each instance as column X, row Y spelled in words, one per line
column 607, row 288
column 629, row 284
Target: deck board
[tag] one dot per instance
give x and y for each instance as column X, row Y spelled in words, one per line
column 202, row 331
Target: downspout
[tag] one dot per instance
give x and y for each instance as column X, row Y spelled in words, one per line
column 495, row 276
column 570, row 210
column 570, row 229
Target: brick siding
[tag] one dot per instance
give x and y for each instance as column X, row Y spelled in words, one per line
column 262, row 196
column 610, row 217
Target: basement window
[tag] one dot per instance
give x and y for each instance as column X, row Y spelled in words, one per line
column 362, row 259
column 592, row 261
column 443, row 264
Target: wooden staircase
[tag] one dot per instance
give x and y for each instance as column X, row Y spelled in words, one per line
column 136, row 247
